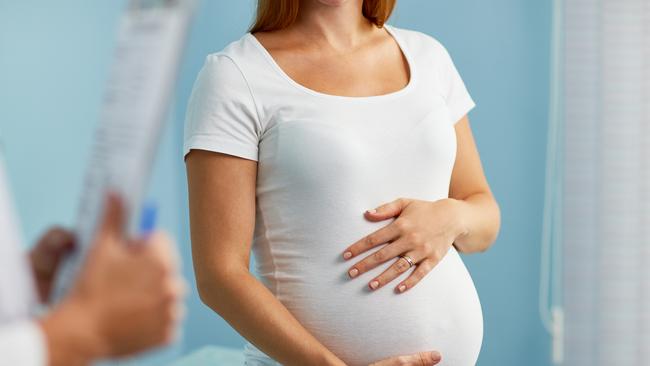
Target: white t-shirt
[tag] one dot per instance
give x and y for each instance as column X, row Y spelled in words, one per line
column 322, row 161
column 21, row 340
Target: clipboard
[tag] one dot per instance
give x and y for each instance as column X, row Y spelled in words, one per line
column 150, row 42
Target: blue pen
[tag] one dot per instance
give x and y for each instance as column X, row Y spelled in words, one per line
column 148, row 219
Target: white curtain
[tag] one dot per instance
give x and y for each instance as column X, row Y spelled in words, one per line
column 605, row 277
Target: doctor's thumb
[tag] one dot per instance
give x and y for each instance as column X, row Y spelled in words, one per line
column 113, row 218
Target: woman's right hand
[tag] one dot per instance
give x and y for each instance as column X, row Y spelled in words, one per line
column 418, row 359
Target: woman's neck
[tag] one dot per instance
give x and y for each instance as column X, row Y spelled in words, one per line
column 339, row 26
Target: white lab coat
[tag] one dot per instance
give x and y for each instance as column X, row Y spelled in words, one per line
column 22, row 342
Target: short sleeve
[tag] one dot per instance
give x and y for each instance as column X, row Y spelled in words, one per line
column 456, row 95
column 221, row 114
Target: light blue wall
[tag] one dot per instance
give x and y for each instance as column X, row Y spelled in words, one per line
column 54, row 58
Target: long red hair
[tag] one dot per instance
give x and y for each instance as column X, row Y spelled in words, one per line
column 278, row 14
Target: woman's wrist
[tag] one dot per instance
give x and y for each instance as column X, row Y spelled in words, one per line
column 458, row 226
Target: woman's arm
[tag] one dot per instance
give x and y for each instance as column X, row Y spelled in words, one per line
column 222, row 217
column 478, row 211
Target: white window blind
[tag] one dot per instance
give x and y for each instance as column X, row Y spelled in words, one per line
column 606, row 175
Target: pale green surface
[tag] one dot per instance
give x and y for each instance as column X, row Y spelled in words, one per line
column 212, row 355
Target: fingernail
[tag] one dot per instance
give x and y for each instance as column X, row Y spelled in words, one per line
column 436, row 356
column 373, row 211
column 374, row 284
column 353, row 272
column 402, row 288
column 347, row 255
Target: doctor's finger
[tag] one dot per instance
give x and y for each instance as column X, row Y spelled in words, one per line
column 57, row 239
column 113, row 219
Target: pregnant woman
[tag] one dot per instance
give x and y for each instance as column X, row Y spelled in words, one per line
column 338, row 150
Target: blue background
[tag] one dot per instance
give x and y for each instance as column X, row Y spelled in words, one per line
column 54, row 61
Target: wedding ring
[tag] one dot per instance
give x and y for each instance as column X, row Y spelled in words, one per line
column 408, row 259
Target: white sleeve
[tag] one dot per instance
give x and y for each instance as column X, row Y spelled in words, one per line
column 22, row 343
column 221, row 114
column 458, row 98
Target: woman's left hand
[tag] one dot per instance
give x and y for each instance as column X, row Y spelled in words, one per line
column 422, row 231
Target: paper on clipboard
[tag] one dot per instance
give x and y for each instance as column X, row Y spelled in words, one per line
column 150, row 42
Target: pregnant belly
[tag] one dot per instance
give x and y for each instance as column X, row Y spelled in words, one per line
column 361, row 326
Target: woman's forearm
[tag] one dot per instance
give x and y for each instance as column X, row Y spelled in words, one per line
column 249, row 307
column 479, row 219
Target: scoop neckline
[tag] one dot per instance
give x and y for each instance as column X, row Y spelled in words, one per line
column 394, row 94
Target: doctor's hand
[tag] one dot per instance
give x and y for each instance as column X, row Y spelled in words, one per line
column 46, row 256
column 420, row 236
column 418, row 359
column 127, row 298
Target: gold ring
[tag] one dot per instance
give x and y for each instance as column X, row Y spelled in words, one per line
column 408, row 259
